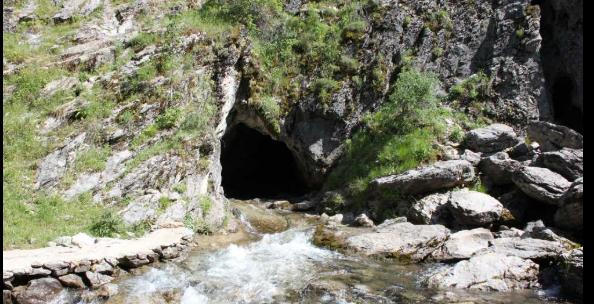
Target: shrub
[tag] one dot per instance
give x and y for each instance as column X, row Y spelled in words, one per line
column 109, row 224
column 474, row 88
column 169, row 118
column 206, row 204
column 400, row 136
column 521, row 33
column 142, row 41
column 437, row 52
column 440, row 20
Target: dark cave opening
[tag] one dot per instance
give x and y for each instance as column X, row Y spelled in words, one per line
column 565, row 112
column 256, row 166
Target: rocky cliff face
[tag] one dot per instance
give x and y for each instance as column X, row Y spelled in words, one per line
column 154, row 154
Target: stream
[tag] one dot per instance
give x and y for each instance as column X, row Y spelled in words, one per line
column 285, row 267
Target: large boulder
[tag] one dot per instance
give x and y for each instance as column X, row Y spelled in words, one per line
column 403, row 242
column 552, row 137
column 572, row 274
column 432, row 209
column 500, row 168
column 40, row 291
column 526, row 248
column 471, row 208
column 490, row 272
column 570, row 215
column 567, row 162
column 463, row 245
column 541, row 184
column 431, row 178
column 494, row 138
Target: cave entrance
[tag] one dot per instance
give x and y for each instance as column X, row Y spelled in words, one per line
column 256, row 166
column 565, row 112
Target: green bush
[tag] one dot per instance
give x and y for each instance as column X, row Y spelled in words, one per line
column 400, row 136
column 475, row 88
column 206, row 204
column 142, row 41
column 169, row 119
column 109, row 224
column 440, row 20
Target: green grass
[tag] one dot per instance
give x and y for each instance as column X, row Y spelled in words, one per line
column 30, row 215
column 398, row 137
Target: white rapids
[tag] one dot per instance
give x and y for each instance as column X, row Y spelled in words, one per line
column 262, row 272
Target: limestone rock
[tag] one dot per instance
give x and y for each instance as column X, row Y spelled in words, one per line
column 403, row 242
column 305, row 206
column 463, row 245
column 83, row 240
column 500, row 168
column 471, row 208
column 97, row 279
column 364, row 221
column 494, row 138
column 471, row 157
column 552, row 137
column 40, row 291
column 6, row 297
column 56, row 164
column 490, row 272
column 541, row 184
column 431, row 209
column 572, row 276
column 552, row 235
column 72, row 281
column 530, row 249
column 567, row 162
column 570, row 215
column 438, row 176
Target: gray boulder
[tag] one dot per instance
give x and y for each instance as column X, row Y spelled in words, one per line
column 431, row 209
column 570, row 215
column 403, row 242
column 364, row 221
column 463, row 245
column 72, row 281
column 490, row 272
column 494, row 138
column 541, row 184
column 471, row 208
column 567, row 162
column 40, row 291
column 441, row 175
column 55, row 165
column 526, row 248
column 552, row 235
column 500, row 168
column 572, row 274
column 552, row 137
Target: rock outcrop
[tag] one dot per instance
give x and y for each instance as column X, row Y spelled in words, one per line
column 570, row 215
column 402, row 242
column 463, row 245
column 553, row 137
column 500, row 168
column 473, row 209
column 490, row 272
column 526, row 248
column 441, row 175
column 572, row 273
column 431, row 209
column 567, row 162
column 494, row 138
column 541, row 184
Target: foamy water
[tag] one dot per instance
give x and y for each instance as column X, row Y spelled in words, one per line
column 263, row 272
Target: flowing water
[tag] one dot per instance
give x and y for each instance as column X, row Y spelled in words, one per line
column 286, row 267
